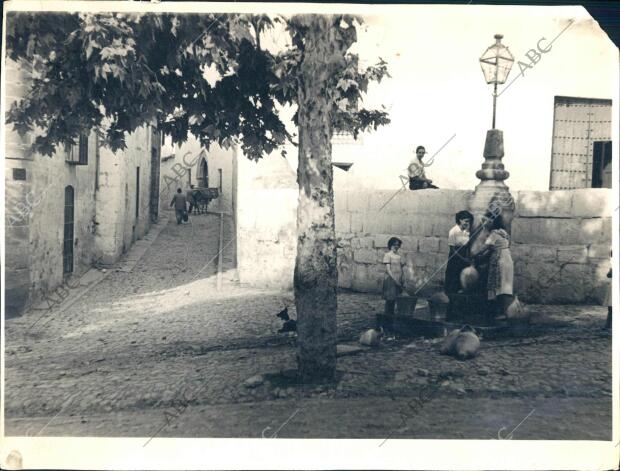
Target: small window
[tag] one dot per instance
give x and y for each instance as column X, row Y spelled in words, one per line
column 19, row 174
column 220, row 174
column 78, row 154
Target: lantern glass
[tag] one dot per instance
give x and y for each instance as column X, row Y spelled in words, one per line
column 496, row 62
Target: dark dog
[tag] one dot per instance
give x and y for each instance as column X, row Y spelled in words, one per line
column 290, row 325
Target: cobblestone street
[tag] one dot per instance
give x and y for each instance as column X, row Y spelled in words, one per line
column 120, row 360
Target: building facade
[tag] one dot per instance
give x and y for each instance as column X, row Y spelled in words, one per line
column 191, row 164
column 581, row 147
column 63, row 213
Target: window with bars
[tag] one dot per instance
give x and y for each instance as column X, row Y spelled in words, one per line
column 78, row 154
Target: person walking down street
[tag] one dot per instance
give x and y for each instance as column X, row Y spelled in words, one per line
column 393, row 279
column 179, row 202
column 417, row 176
column 501, row 267
column 190, row 198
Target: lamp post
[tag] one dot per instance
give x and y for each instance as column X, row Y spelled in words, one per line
column 496, row 63
column 492, row 194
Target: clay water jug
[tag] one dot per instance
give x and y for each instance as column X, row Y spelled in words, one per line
column 469, row 277
column 517, row 312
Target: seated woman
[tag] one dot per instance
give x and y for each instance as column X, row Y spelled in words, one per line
column 458, row 258
column 417, row 177
column 501, row 267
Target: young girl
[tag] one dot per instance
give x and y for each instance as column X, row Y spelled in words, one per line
column 393, row 280
column 501, row 267
column 458, row 238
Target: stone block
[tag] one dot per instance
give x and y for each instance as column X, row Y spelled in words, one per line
column 595, row 231
column 592, row 202
column 443, row 246
column 543, row 253
column 547, row 231
column 543, row 203
column 410, row 243
column 577, row 275
column 364, row 279
column 367, row 242
column 359, row 201
column 357, row 223
column 600, row 270
column 381, row 240
column 541, row 275
column 520, row 252
column 15, row 299
column 340, row 203
column 421, row 259
column 442, row 225
column 384, row 223
column 422, row 226
column 365, row 256
column 572, row 254
column 599, row 251
column 17, row 257
column 429, row 244
column 342, row 221
column 17, row 235
column 342, row 242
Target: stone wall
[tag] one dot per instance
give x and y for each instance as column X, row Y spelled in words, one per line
column 105, row 218
column 181, row 168
column 266, row 222
column 561, row 240
column 119, row 224
column 420, row 219
column 561, row 245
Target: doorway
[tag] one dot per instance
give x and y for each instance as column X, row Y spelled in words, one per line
column 203, row 176
column 67, row 247
column 601, row 164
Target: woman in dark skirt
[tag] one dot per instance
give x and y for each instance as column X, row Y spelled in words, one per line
column 458, row 258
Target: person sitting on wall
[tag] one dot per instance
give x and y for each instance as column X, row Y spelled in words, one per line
column 417, row 177
column 179, row 202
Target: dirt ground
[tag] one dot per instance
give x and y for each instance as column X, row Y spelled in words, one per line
column 158, row 351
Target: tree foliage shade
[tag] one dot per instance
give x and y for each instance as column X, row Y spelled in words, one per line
column 204, row 74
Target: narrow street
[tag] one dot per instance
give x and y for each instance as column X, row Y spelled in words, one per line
column 120, row 360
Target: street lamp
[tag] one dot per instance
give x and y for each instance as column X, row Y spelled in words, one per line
column 496, row 63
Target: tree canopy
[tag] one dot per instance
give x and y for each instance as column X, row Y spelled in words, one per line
column 204, row 74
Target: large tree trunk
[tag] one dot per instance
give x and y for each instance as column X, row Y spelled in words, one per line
column 316, row 275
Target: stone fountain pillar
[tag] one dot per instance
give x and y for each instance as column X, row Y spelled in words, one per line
column 491, row 194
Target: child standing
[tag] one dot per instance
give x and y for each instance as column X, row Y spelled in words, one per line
column 393, row 279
